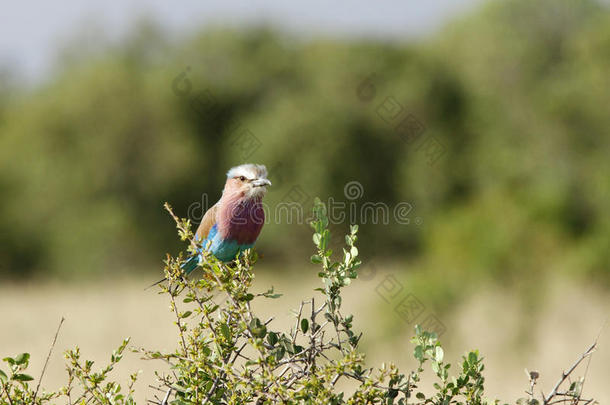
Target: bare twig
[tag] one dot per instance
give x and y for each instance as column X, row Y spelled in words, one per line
column 533, row 377
column 582, row 387
column 212, row 389
column 44, row 368
column 566, row 374
column 166, row 398
column 297, row 323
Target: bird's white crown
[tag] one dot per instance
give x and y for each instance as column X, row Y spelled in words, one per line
column 249, row 170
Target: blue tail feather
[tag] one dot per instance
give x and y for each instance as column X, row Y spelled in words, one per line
column 188, row 267
column 191, row 264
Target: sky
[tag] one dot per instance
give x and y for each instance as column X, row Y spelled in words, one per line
column 32, row 31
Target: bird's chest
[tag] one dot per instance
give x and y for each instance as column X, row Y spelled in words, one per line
column 242, row 222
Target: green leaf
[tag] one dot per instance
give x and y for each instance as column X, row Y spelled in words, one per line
column 22, row 377
column 269, row 294
column 23, row 358
column 439, row 354
column 257, row 328
column 279, row 353
column 225, row 331
column 315, row 259
column 324, row 239
column 418, row 353
column 288, row 346
column 304, row 325
column 272, row 338
column 3, row 376
column 186, row 314
column 179, row 402
column 347, row 256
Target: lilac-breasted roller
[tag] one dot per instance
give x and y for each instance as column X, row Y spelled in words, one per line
column 235, row 221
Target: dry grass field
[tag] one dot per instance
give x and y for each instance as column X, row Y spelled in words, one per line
column 99, row 315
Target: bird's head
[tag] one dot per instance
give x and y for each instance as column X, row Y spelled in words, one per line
column 247, row 181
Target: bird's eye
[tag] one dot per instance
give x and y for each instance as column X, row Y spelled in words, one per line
column 242, row 178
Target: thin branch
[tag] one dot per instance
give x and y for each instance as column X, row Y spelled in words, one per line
column 178, row 321
column 212, row 389
column 166, row 398
column 297, row 323
column 44, row 368
column 582, row 387
column 566, row 374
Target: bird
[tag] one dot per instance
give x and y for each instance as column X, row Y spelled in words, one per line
column 233, row 224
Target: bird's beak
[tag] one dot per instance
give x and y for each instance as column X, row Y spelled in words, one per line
column 261, row 183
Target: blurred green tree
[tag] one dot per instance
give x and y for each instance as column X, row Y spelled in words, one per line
column 515, row 95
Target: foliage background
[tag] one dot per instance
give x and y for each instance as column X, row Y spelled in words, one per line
column 517, row 92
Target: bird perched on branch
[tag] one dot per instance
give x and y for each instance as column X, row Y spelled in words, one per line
column 233, row 224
